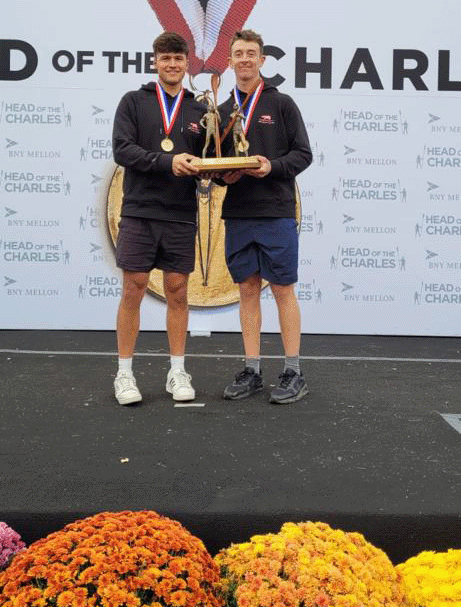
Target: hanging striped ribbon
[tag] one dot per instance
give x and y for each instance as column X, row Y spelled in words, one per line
column 207, row 26
column 251, row 104
column 168, row 114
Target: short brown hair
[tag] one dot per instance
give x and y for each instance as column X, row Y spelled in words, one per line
column 170, row 42
column 247, row 36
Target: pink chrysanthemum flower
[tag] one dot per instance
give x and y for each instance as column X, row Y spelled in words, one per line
column 10, row 544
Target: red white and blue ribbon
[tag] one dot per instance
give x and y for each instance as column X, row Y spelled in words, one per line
column 250, row 107
column 168, row 114
column 207, row 26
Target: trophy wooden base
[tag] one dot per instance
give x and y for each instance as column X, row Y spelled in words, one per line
column 232, row 163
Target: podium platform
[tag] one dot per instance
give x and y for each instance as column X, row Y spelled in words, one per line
column 375, row 447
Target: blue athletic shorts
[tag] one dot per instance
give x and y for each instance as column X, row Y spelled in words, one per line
column 267, row 246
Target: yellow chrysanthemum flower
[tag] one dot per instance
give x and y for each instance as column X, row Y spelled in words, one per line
column 308, row 564
column 433, row 579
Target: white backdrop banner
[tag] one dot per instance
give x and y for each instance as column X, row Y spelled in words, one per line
column 379, row 87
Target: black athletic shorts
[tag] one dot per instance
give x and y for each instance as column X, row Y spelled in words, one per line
column 145, row 244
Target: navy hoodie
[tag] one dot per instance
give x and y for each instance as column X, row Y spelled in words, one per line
column 150, row 189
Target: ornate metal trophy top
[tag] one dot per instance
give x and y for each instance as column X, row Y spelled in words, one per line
column 211, row 121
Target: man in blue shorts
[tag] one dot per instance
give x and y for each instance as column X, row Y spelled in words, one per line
column 259, row 211
column 156, row 134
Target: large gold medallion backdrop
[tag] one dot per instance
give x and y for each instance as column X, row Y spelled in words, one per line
column 210, row 285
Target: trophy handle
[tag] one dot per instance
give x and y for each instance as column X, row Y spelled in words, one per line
column 215, row 82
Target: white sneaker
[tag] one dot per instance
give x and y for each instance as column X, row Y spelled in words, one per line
column 126, row 390
column 178, row 384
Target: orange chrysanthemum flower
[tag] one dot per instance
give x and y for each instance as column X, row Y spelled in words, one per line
column 124, row 559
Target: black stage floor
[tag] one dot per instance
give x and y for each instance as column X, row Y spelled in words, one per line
column 368, row 450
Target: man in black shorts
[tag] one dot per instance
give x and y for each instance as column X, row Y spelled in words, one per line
column 259, row 211
column 156, row 134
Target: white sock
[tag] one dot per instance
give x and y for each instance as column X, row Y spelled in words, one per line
column 124, row 364
column 177, row 362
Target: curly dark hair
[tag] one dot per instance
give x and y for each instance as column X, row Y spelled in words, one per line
column 170, row 42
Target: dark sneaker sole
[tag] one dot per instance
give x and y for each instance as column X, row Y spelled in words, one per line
column 304, row 390
column 241, row 396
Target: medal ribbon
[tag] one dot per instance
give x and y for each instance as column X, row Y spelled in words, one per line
column 249, row 109
column 208, row 27
column 168, row 115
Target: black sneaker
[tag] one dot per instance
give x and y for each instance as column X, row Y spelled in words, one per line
column 291, row 388
column 246, row 383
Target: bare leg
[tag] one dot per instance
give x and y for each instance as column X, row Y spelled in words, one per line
column 289, row 318
column 250, row 314
column 177, row 314
column 128, row 316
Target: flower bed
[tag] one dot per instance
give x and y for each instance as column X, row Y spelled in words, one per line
column 125, row 559
column 308, row 565
column 433, row 579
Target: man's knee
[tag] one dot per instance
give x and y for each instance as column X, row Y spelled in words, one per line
column 175, row 286
column 251, row 287
column 134, row 286
column 282, row 292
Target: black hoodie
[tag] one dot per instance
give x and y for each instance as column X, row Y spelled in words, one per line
column 150, row 189
column 276, row 131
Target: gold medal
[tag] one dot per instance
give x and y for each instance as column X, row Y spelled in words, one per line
column 166, row 144
column 243, row 146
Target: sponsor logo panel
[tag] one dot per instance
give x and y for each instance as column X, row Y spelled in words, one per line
column 30, row 182
column 352, row 189
column 95, row 148
column 24, row 112
column 11, row 218
column 16, row 149
column 440, row 126
column 438, row 225
column 370, row 121
column 437, row 293
column 359, row 257
column 436, row 261
column 351, row 227
column 355, row 157
column 99, row 286
column 28, row 251
column 351, row 294
column 437, row 193
column 439, row 156
column 17, row 288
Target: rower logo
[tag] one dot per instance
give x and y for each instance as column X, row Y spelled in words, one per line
column 266, row 119
column 194, row 128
